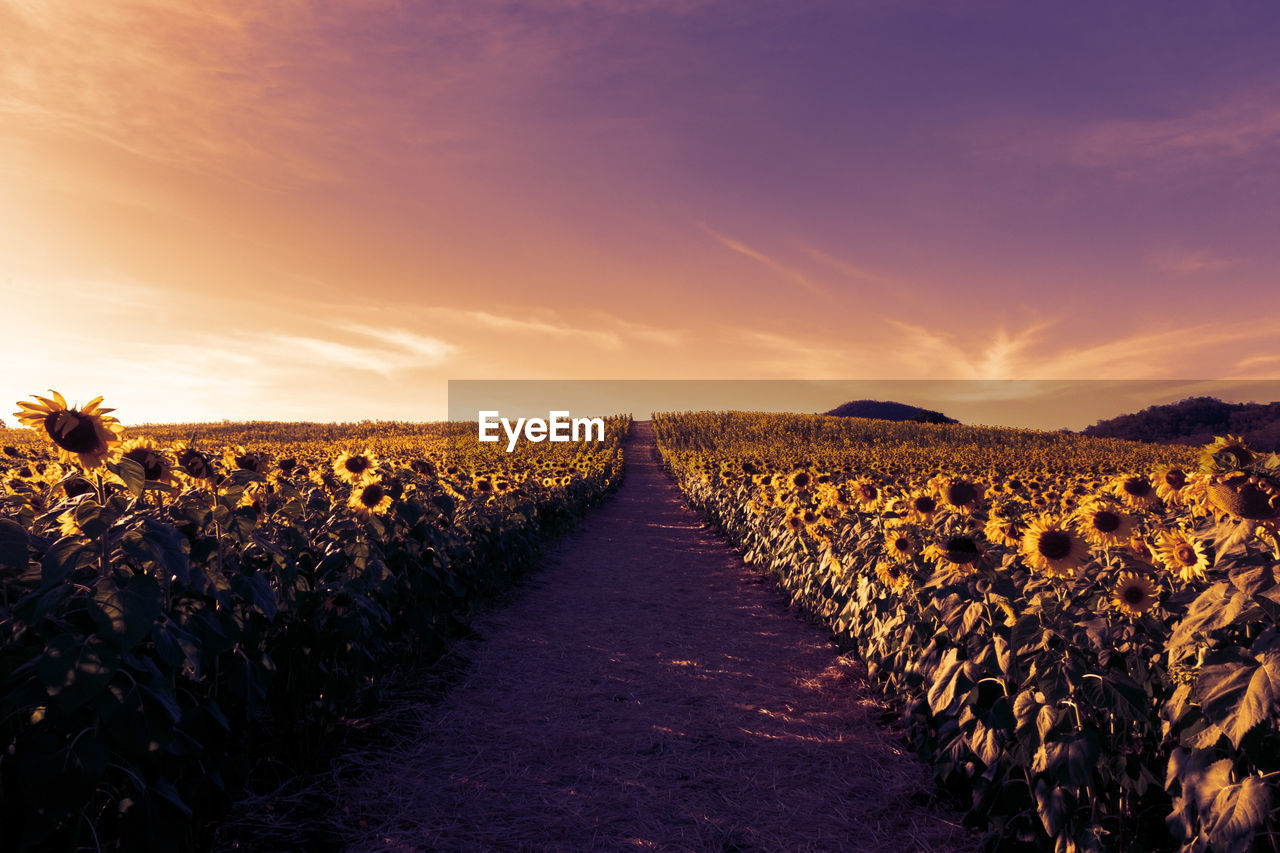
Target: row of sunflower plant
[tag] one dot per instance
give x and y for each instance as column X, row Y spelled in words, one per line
column 1084, row 634
column 175, row 615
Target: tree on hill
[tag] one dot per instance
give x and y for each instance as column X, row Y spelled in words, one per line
column 887, row 410
column 1197, row 420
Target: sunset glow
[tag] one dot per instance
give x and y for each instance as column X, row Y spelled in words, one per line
column 325, row 212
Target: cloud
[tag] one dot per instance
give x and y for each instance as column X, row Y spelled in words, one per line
column 1241, row 127
column 937, row 354
column 1188, row 261
column 788, row 273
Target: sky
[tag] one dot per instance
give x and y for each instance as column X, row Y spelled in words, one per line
column 328, row 210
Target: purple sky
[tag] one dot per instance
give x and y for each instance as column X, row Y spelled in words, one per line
column 325, row 211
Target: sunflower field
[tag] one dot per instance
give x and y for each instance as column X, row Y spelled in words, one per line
column 1084, row 634
column 178, row 605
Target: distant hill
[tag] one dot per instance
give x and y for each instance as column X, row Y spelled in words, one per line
column 1196, row 420
column 890, row 411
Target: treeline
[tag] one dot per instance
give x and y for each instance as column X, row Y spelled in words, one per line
column 1197, row 420
column 890, row 411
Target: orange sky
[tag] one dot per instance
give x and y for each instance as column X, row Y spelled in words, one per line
column 325, row 211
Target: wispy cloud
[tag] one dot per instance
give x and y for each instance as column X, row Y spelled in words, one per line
column 788, row 273
column 1188, row 261
column 935, row 353
column 1241, row 127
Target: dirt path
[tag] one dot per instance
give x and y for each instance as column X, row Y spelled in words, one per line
column 647, row 692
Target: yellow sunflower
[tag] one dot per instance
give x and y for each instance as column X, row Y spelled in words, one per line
column 1182, row 554
column 87, row 435
column 894, row 575
column 1136, row 491
column 1103, row 524
column 369, row 498
column 901, row 543
column 1170, row 481
column 865, row 494
column 1133, row 594
column 194, row 463
column 155, row 464
column 1226, row 453
column 922, row 507
column 1004, row 530
column 355, row 467
column 1053, row 547
column 959, row 494
column 960, row 551
column 1244, row 496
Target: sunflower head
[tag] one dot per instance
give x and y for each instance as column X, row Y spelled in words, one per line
column 194, row 463
column 369, row 498
column 901, row 543
column 894, row 575
column 922, row 507
column 961, row 552
column 1226, row 453
column 1136, row 490
column 1170, row 481
column 800, row 479
column 1104, row 523
column 355, row 467
column 1182, row 554
column 959, row 494
column 155, row 464
column 1051, row 546
column 1245, row 496
column 1133, row 594
column 87, row 435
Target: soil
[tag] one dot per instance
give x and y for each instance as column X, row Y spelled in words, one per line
column 647, row 691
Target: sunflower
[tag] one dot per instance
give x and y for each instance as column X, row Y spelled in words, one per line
column 194, row 464
column 1242, row 496
column 795, row 521
column 87, row 435
column 355, row 467
column 800, row 480
column 238, row 459
column 1170, row 481
column 1052, row 546
column 1103, row 524
column 959, row 494
column 1133, row 594
column 155, row 464
column 1004, row 530
column 1182, row 554
column 922, row 507
column 1226, row 453
column 901, row 543
column 865, row 494
column 369, row 498
column 960, row 551
column 894, row 575
column 1136, row 491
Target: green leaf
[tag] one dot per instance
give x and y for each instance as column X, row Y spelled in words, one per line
column 13, row 546
column 165, row 790
column 127, row 614
column 1237, row 812
column 1053, row 806
column 63, row 557
column 75, row 670
column 131, row 472
column 1239, row 696
column 1253, row 580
